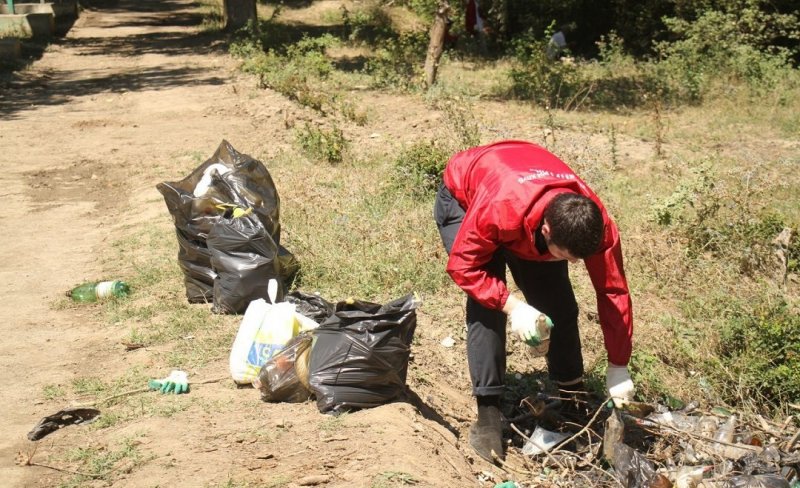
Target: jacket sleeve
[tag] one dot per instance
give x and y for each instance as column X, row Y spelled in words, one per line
column 613, row 298
column 474, row 247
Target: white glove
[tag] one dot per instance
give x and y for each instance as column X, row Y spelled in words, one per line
column 619, row 384
column 523, row 320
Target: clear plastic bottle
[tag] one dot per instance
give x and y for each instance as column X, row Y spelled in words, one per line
column 99, row 290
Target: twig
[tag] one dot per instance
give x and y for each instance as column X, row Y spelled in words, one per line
column 141, row 390
column 698, row 436
column 78, row 473
column 790, row 443
column 508, row 467
column 586, row 427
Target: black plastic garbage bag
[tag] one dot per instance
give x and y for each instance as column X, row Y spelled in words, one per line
column 312, row 306
column 194, row 259
column 244, row 258
column 197, row 203
column 359, row 358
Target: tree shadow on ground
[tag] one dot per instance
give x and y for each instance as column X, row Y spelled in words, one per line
column 21, row 89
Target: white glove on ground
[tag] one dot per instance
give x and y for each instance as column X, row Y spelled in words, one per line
column 619, row 384
column 523, row 320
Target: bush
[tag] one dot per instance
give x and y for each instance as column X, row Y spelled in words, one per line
column 419, row 168
column 322, row 145
column 399, row 62
column 762, row 350
column 551, row 84
column 723, row 47
column 726, row 219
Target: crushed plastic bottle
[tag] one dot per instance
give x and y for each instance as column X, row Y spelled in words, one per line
column 99, row 290
column 757, row 481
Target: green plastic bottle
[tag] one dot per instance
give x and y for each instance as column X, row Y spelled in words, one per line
column 94, row 290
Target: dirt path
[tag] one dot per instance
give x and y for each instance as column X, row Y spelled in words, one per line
column 86, row 133
column 125, row 91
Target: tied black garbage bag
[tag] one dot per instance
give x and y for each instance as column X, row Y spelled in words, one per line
column 359, row 358
column 198, row 202
column 244, row 257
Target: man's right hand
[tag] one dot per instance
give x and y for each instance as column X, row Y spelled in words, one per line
column 523, row 320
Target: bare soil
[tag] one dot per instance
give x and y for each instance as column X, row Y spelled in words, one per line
column 87, row 131
column 136, row 94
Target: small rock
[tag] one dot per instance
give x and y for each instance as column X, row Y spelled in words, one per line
column 313, row 480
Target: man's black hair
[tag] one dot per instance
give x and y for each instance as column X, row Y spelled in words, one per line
column 576, row 224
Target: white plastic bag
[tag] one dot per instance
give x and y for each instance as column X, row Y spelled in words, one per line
column 265, row 330
column 542, row 441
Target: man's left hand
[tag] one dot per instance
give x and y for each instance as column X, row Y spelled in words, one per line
column 619, row 384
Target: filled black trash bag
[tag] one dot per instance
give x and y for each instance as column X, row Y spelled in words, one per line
column 194, row 259
column 359, row 358
column 244, row 259
column 312, row 306
column 197, row 203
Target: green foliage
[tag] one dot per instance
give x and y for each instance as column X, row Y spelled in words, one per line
column 419, row 168
column 725, row 218
column 294, row 73
column 321, row 144
column 761, row 348
column 371, row 24
column 724, row 46
column 398, row 62
column 552, row 84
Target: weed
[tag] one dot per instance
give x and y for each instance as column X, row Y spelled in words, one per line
column 333, row 423
column 419, row 168
column 398, row 63
column 547, row 83
column 761, row 348
column 389, row 479
column 53, row 392
column 101, row 462
column 322, row 145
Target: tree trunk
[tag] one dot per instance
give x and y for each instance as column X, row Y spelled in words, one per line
column 238, row 13
column 436, row 45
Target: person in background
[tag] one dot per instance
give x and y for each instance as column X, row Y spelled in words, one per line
column 514, row 204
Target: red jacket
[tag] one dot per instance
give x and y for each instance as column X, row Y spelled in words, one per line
column 504, row 188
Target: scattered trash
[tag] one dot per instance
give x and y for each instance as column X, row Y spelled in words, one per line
column 284, row 377
column 177, row 382
column 448, row 342
column 542, row 441
column 99, row 290
column 62, row 418
column 265, row 329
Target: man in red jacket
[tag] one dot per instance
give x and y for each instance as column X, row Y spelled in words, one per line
column 512, row 203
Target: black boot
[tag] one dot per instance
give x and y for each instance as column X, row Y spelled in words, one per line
column 486, row 435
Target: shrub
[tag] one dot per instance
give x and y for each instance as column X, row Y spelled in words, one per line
column 553, row 84
column 399, row 62
column 762, row 350
column 725, row 46
column 419, row 168
column 321, row 144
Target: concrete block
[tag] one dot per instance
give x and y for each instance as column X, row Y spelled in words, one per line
column 36, row 25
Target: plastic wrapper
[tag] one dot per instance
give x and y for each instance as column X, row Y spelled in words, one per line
column 284, row 377
column 359, row 358
column 757, row 481
column 198, row 202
